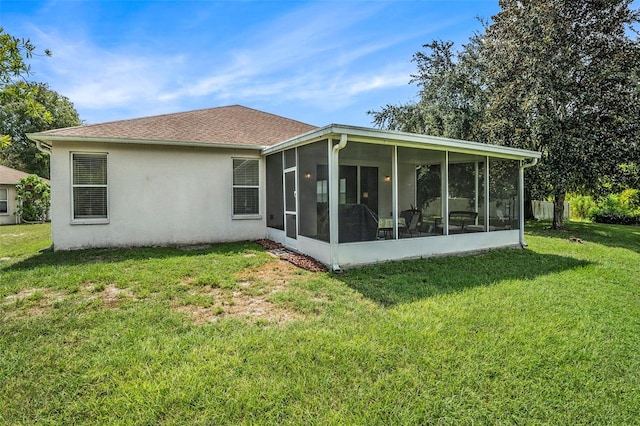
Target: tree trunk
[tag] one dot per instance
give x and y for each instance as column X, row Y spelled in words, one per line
column 558, row 211
column 528, row 206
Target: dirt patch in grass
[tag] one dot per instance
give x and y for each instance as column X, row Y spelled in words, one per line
column 113, row 296
column 265, row 293
column 34, row 302
column 31, row 302
column 239, row 305
column 274, row 274
column 250, row 300
column 110, row 295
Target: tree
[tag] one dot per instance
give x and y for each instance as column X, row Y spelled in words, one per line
column 451, row 102
column 560, row 79
column 16, row 120
column 556, row 76
column 452, row 99
column 14, row 68
column 34, row 196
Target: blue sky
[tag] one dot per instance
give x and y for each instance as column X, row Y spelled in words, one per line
column 318, row 62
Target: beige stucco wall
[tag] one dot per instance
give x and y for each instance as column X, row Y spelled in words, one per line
column 9, row 218
column 157, row 196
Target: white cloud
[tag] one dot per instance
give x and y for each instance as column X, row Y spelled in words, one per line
column 309, row 52
column 318, row 53
column 97, row 78
column 377, row 82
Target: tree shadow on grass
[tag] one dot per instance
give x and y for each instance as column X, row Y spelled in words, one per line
column 622, row 236
column 117, row 255
column 393, row 283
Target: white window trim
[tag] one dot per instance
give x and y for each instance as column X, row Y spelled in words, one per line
column 87, row 221
column 6, row 191
column 249, row 216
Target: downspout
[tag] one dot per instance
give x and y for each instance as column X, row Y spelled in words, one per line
column 523, row 166
column 334, row 179
column 43, row 147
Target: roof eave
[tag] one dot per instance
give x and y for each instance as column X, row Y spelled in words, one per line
column 49, row 139
column 363, row 134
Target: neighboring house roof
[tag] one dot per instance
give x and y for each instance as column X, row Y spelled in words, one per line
column 9, row 176
column 234, row 125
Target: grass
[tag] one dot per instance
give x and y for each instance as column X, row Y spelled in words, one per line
column 229, row 335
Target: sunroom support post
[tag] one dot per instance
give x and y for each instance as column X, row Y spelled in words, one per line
column 445, row 194
column 334, row 182
column 486, row 194
column 394, row 191
column 523, row 166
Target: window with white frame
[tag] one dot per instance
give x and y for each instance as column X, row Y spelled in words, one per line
column 89, row 185
column 4, row 201
column 246, row 186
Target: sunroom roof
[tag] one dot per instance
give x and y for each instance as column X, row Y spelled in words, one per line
column 412, row 140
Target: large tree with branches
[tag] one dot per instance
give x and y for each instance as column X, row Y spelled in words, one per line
column 14, row 72
column 563, row 75
column 556, row 76
column 16, row 120
column 26, row 107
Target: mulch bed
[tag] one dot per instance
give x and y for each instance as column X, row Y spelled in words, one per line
column 297, row 259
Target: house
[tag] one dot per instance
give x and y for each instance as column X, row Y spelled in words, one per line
column 344, row 195
column 9, row 178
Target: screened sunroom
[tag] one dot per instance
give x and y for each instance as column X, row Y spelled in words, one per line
column 349, row 196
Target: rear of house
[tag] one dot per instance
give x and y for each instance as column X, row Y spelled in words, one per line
column 185, row 178
column 342, row 194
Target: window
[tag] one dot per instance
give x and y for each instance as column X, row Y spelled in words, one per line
column 246, row 187
column 89, row 182
column 4, row 201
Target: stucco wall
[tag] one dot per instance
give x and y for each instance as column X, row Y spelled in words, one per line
column 157, row 196
column 9, row 218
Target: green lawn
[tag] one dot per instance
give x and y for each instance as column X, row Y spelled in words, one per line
column 230, row 335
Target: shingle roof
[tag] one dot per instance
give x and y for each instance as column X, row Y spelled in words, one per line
column 9, row 176
column 232, row 125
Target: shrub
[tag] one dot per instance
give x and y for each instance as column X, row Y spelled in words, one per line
column 580, row 206
column 630, row 198
column 622, row 208
column 34, row 198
